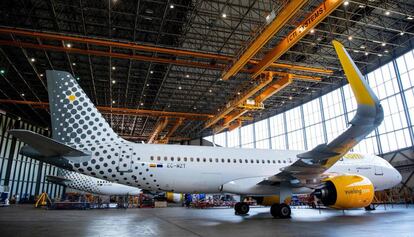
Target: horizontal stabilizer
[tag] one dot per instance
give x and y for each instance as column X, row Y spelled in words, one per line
column 57, row 180
column 47, row 147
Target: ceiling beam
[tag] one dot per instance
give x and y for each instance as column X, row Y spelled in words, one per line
column 320, row 13
column 271, row 29
column 138, row 47
column 119, row 111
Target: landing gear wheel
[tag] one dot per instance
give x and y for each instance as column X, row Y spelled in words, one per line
column 274, row 210
column 280, row 210
column 241, row 208
column 284, row 211
column 370, row 207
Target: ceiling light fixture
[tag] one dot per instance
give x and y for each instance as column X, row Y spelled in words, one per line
column 350, row 37
column 312, row 31
column 387, row 13
column 383, row 44
column 172, row 6
column 113, row 68
column 113, row 81
column 346, row 3
column 68, row 45
column 224, row 15
column 33, row 60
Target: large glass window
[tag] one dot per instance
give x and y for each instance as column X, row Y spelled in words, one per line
column 331, row 112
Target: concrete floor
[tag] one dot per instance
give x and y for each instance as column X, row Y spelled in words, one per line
column 24, row 220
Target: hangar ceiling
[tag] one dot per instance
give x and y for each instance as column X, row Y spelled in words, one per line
column 155, row 68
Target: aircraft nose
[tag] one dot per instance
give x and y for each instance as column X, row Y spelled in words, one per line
column 397, row 177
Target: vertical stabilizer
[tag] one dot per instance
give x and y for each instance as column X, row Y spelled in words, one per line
column 74, row 117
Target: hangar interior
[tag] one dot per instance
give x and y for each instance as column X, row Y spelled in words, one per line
column 234, row 73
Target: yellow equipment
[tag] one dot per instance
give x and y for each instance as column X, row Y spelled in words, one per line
column 43, row 200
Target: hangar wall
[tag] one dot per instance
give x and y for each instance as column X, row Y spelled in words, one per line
column 21, row 175
column 322, row 119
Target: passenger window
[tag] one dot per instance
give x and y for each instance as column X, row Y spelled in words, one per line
column 246, row 161
column 234, row 161
column 158, row 158
column 263, row 161
column 191, row 159
column 165, row 158
column 152, row 158
column 257, row 161
column 210, row 159
column 222, row 160
column 228, row 161
column 217, row 160
column 204, row 159
column 185, row 159
column 172, row 158
column 198, row 159
column 240, row 161
column 178, row 158
column 278, row 161
column 251, row 161
column 274, row 162
column 284, row 161
column 268, row 161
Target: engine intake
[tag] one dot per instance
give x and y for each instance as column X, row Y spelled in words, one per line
column 346, row 191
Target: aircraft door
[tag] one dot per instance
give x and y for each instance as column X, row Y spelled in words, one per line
column 125, row 159
column 378, row 170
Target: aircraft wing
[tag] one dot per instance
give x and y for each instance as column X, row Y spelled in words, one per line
column 369, row 116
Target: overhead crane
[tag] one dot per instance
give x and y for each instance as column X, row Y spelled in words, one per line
column 234, row 110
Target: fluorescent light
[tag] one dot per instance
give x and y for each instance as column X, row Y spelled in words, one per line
column 409, row 18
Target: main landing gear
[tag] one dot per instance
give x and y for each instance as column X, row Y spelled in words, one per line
column 280, row 210
column 241, row 208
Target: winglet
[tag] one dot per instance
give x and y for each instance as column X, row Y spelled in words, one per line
column 362, row 91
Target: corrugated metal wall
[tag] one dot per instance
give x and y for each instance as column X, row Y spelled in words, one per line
column 21, row 175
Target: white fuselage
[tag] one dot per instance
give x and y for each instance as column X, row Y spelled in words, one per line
column 195, row 169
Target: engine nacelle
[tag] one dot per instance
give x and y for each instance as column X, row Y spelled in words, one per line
column 346, row 191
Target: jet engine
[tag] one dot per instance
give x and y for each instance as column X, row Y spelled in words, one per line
column 346, row 191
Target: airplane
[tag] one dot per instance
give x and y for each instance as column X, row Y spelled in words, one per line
column 90, row 184
column 84, row 142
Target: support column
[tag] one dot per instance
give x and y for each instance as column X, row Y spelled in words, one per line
column 404, row 101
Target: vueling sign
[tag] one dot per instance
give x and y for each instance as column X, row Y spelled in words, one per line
column 308, row 23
